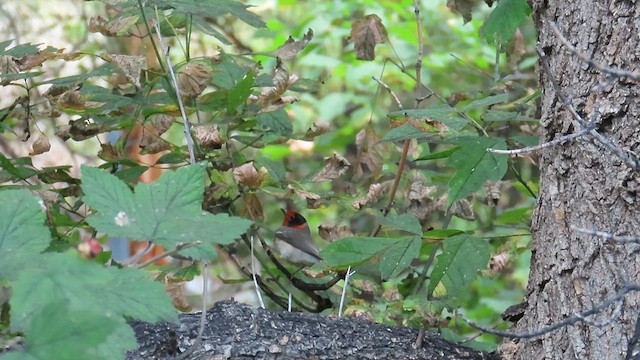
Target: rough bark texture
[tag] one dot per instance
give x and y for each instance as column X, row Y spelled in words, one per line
column 585, row 185
column 237, row 331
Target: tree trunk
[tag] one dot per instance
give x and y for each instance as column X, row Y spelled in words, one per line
column 584, row 184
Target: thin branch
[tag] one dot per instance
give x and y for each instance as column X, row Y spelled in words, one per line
column 569, row 106
column 173, row 251
column 253, row 272
column 203, row 313
column 609, row 236
column 344, row 290
column 187, row 125
column 403, row 159
column 606, row 69
column 558, row 141
column 578, row 318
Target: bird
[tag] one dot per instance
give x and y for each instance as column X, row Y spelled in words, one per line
column 293, row 240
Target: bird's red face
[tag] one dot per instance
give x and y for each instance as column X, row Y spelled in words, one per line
column 294, row 220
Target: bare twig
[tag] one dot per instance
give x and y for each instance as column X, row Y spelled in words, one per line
column 187, row 125
column 344, row 290
column 558, row 141
column 253, row 272
column 578, row 318
column 606, row 235
column 137, row 256
column 173, row 251
column 606, row 69
column 203, row 314
column 569, row 106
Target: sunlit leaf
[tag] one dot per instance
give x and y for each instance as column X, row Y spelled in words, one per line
column 500, row 27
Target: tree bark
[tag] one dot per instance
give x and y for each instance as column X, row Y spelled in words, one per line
column 584, row 184
column 237, row 331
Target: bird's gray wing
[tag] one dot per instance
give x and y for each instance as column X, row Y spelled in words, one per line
column 292, row 235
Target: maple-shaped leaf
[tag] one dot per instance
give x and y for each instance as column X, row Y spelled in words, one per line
column 366, row 33
column 167, row 211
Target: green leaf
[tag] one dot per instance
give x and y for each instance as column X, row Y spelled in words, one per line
column 439, row 155
column 277, row 121
column 87, row 286
column 104, row 70
column 68, row 335
column 500, row 26
column 404, row 222
column 462, row 257
column 487, row 101
column 399, row 255
column 22, row 231
column 171, row 158
column 167, row 211
column 445, row 114
column 474, row 166
column 20, row 172
column 276, row 170
column 238, row 95
column 214, row 8
column 351, row 251
column 405, row 132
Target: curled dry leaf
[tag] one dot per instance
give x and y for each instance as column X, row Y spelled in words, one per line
column 366, row 33
column 368, row 159
column 310, row 198
column 131, row 66
column 493, row 192
column 334, row 232
column 208, row 137
column 420, row 197
column 72, row 99
column 334, row 167
column 499, row 261
column 108, row 152
column 8, row 65
column 461, row 208
column 375, row 193
column 248, row 175
column 319, row 127
column 175, row 289
column 116, row 27
column 152, row 143
column 82, row 129
column 193, row 79
column 163, row 122
column 291, row 47
column 462, row 7
column 40, row 146
column 252, row 207
column 64, row 132
column 271, row 98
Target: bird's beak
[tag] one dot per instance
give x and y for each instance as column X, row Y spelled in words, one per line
column 283, row 211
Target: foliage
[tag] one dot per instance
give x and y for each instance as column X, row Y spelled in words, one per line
column 426, row 240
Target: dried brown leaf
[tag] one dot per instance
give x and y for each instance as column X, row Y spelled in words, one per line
column 40, row 146
column 193, row 79
column 163, row 122
column 72, row 99
column 248, row 175
column 334, row 167
column 175, row 290
column 375, row 193
column 117, row 27
column 310, row 198
column 334, row 232
column 291, row 48
column 420, row 197
column 494, row 192
column 368, row 160
column 462, row 7
column 499, row 261
column 131, row 66
column 82, row 129
column 208, row 136
column 366, row 33
column 271, row 98
column 319, row 127
column 152, row 143
column 108, row 152
column 252, row 207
